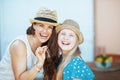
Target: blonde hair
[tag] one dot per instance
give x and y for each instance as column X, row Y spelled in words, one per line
column 74, row 52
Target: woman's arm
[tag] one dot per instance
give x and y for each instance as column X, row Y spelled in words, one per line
column 19, row 62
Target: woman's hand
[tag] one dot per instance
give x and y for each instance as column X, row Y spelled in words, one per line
column 40, row 54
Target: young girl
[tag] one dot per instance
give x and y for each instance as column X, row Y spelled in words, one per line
column 72, row 67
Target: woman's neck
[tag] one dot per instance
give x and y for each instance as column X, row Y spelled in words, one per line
column 34, row 42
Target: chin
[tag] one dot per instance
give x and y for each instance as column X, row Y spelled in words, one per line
column 65, row 49
column 44, row 41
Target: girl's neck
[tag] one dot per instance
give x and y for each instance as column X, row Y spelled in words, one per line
column 64, row 53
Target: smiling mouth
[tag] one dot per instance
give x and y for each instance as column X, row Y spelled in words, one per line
column 43, row 36
column 65, row 43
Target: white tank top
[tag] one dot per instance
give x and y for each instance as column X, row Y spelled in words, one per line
column 6, row 72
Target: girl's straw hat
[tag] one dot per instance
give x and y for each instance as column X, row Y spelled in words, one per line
column 72, row 25
column 45, row 16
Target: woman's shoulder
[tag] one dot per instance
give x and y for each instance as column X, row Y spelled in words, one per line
column 18, row 49
column 18, row 41
column 18, row 44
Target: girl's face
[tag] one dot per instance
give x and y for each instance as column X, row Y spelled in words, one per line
column 43, row 31
column 67, row 40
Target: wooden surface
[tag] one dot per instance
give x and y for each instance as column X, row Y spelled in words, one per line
column 113, row 73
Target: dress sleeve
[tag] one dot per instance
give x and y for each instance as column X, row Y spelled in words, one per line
column 80, row 70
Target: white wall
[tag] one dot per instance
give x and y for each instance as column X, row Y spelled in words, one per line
column 107, row 26
column 16, row 13
column 1, row 7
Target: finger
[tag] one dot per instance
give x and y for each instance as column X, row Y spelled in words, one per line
column 43, row 56
column 36, row 52
column 40, row 50
column 45, row 49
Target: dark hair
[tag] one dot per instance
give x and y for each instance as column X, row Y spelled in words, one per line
column 50, row 64
column 51, row 61
column 30, row 30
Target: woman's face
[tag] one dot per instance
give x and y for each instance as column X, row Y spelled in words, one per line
column 67, row 39
column 43, row 31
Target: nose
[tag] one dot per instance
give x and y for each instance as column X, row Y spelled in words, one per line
column 66, row 37
column 44, row 30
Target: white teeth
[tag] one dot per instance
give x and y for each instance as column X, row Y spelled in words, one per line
column 43, row 35
column 65, row 43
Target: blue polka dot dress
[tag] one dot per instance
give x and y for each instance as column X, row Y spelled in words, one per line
column 78, row 69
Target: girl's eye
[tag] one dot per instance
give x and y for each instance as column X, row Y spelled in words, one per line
column 62, row 33
column 71, row 35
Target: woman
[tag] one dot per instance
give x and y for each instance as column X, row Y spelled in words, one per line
column 72, row 67
column 30, row 57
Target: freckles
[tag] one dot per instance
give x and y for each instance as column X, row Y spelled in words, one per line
column 50, row 31
column 38, row 29
column 59, row 37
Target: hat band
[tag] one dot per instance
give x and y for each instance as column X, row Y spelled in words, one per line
column 45, row 19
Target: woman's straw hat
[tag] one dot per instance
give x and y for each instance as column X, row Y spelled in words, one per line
column 72, row 25
column 45, row 16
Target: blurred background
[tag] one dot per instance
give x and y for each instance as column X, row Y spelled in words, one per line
column 99, row 22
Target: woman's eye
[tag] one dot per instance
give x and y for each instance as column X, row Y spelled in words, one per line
column 40, row 25
column 50, row 27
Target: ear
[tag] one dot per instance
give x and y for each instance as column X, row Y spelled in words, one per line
column 34, row 26
column 77, row 42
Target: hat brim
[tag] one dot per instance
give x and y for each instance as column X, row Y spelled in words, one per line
column 44, row 22
column 79, row 34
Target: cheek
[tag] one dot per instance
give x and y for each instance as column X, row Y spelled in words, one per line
column 73, row 44
column 59, row 39
column 37, row 29
column 50, row 32
column 73, row 41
